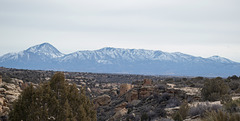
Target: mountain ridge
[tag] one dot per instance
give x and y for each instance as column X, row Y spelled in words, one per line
column 119, row 60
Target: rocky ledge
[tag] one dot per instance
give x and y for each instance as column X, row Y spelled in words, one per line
column 9, row 92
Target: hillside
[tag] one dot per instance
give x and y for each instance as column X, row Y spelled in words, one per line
column 125, row 97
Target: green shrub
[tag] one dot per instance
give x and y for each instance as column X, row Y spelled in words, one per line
column 234, row 77
column 237, row 90
column 184, row 108
column 182, row 113
column 201, row 109
column 214, row 89
column 177, row 117
column 226, row 99
column 233, row 106
column 234, row 85
column 190, row 83
column 221, row 116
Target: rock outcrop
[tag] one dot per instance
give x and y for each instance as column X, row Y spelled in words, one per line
column 9, row 92
column 132, row 95
column 120, row 106
column 124, row 88
column 0, row 79
column 145, row 91
column 102, row 100
column 147, row 82
column 119, row 114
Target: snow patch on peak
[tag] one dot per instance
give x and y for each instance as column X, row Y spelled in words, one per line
column 45, row 49
column 41, row 47
column 220, row 59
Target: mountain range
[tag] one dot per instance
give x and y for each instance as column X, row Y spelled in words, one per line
column 118, row 60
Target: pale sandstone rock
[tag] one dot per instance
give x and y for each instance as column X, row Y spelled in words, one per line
column 10, row 86
column 1, row 108
column 102, row 100
column 114, row 93
column 119, row 114
column 2, row 90
column 132, row 95
column 124, row 88
column 1, row 101
column 89, row 90
column 147, row 82
column 11, row 98
column 5, row 109
column 135, row 102
column 120, row 106
column 145, row 91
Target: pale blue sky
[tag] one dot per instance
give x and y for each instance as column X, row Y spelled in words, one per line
column 197, row 27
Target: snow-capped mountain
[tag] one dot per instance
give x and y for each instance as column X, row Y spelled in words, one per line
column 37, row 57
column 133, row 55
column 43, row 52
column 220, row 59
column 118, row 60
column 45, row 49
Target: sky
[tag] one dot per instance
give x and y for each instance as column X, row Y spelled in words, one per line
column 196, row 27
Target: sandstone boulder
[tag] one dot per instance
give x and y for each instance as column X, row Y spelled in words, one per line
column 10, row 86
column 11, row 98
column 124, row 88
column 16, row 81
column 147, row 82
column 89, row 90
column 20, row 81
column 135, row 102
column 5, row 110
column 1, row 101
column 113, row 93
column 132, row 95
column 2, row 95
column 120, row 106
column 9, row 92
column 102, row 100
column 2, row 90
column 119, row 114
column 0, row 79
column 145, row 91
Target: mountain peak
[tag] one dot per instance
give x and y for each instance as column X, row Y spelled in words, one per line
column 108, row 48
column 40, row 47
column 220, row 59
column 45, row 49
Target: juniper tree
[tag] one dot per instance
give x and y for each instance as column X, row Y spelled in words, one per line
column 53, row 100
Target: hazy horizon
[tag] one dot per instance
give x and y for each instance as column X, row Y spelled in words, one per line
column 199, row 28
